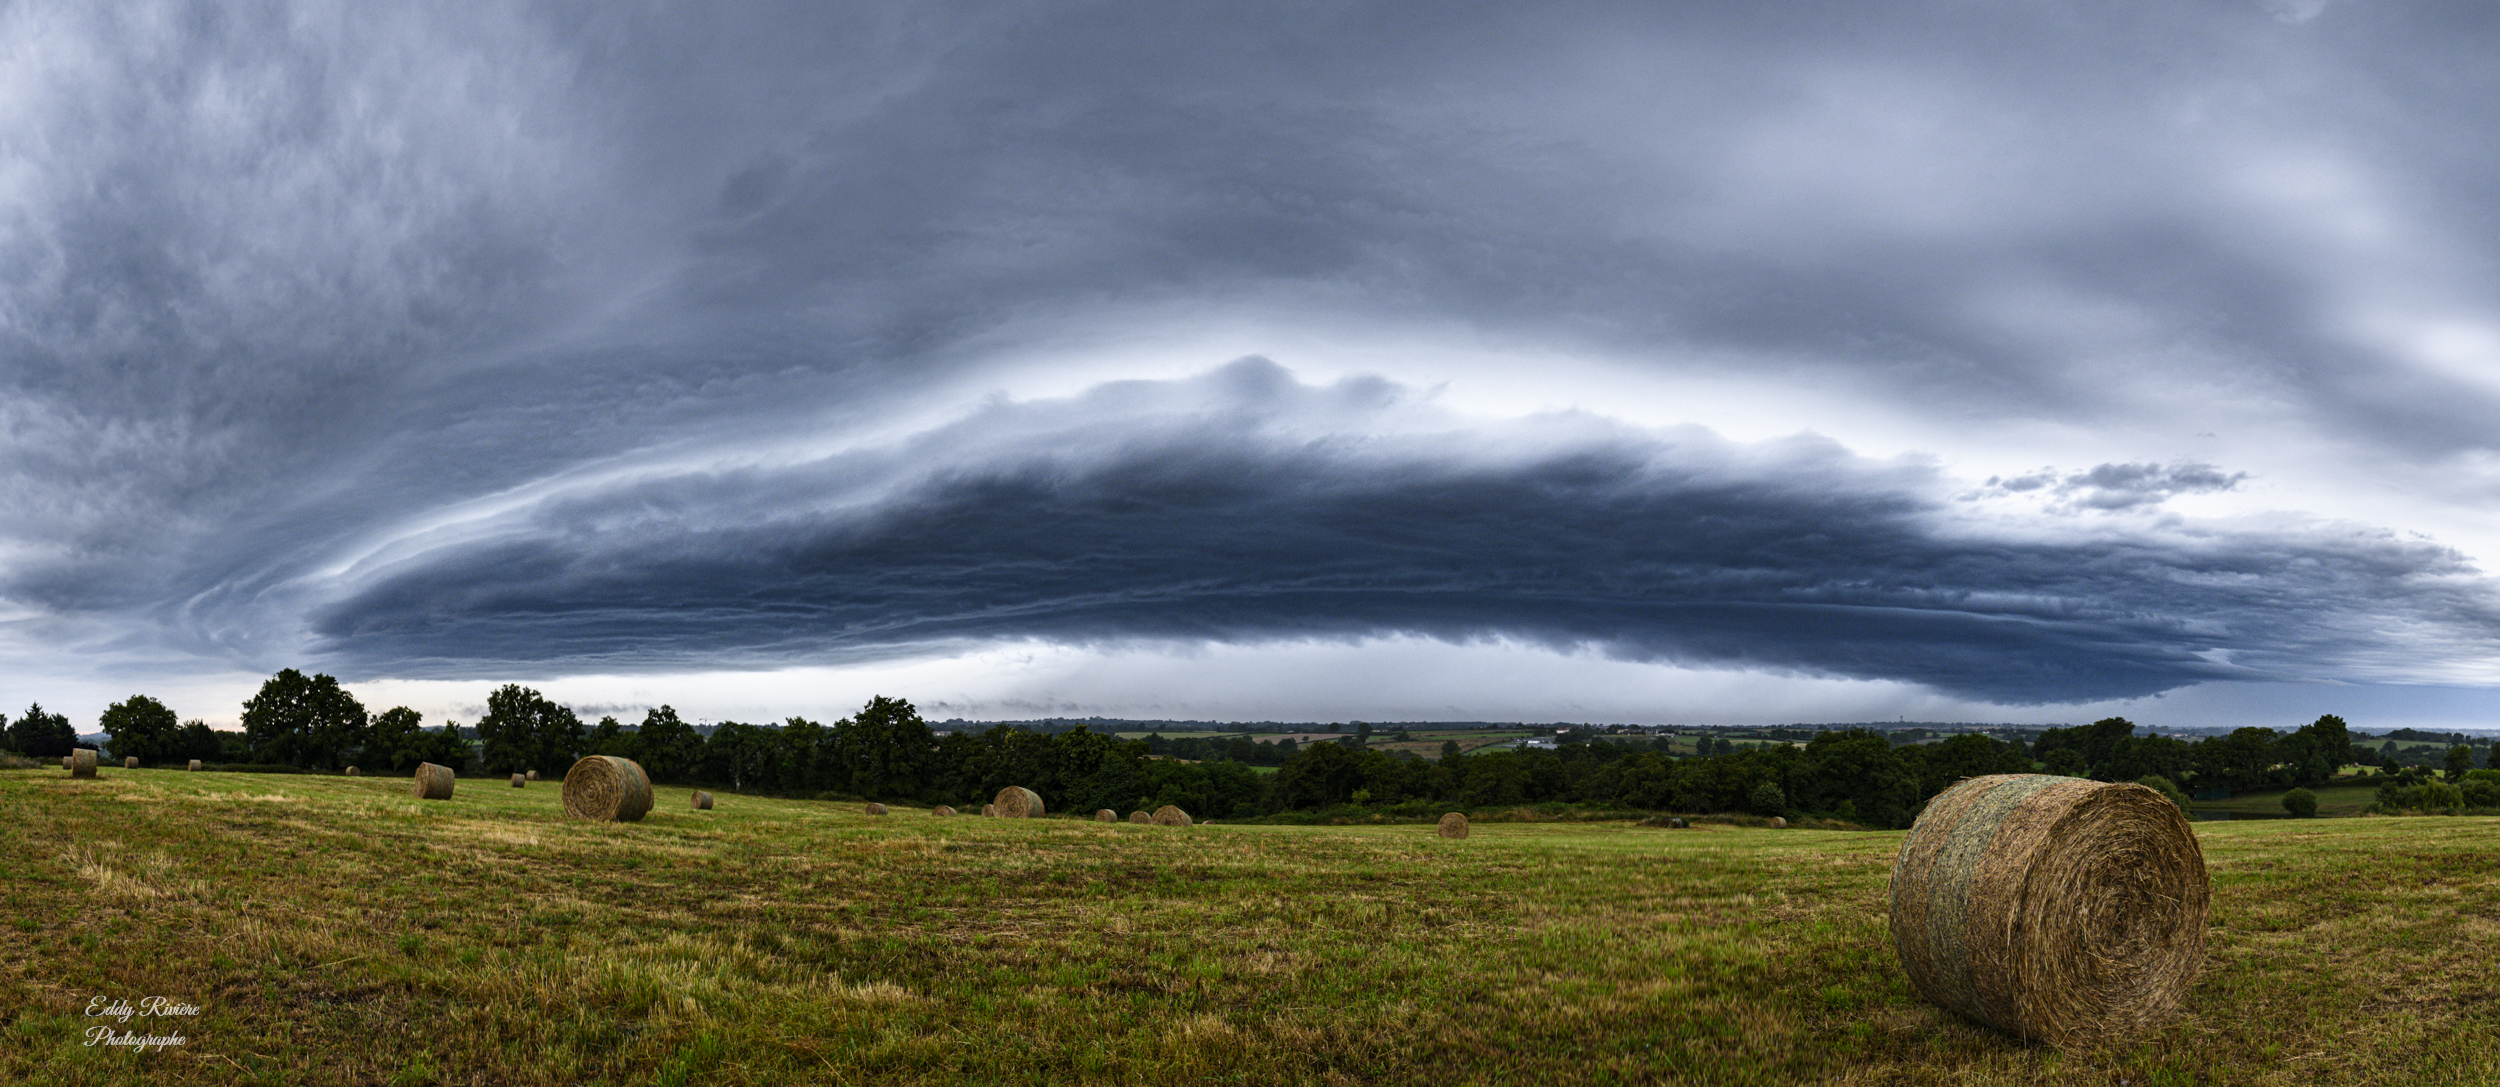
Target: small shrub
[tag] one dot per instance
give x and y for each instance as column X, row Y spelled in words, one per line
column 1767, row 799
column 2302, row 803
column 2169, row 789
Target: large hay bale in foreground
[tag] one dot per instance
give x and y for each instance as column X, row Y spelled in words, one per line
column 1140, row 817
column 1171, row 816
column 433, row 782
column 519, row 782
column 702, row 801
column 1106, row 815
column 350, row 771
column 131, row 763
column 1018, row 802
column 876, row 809
column 1453, row 825
column 607, row 789
column 82, row 763
column 1779, row 822
column 941, row 811
column 2051, row 908
column 195, row 764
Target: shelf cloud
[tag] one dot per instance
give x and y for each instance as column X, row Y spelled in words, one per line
column 2039, row 354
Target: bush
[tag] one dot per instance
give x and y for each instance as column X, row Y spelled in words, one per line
column 2169, row 789
column 2302, row 803
column 1767, row 799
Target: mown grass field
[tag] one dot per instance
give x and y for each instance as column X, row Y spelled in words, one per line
column 333, row 930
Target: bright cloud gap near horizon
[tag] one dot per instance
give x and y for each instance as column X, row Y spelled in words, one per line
column 1674, row 365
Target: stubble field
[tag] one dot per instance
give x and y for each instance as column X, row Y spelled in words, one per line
column 334, row 930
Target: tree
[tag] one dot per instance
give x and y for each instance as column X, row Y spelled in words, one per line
column 196, row 740
column 42, row 735
column 2460, row 760
column 2302, row 803
column 885, row 746
column 1767, row 799
column 2168, row 789
column 141, row 728
column 524, row 730
column 666, row 746
column 303, row 721
column 1449, row 748
column 398, row 741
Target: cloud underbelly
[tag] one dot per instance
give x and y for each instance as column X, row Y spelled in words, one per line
column 1092, row 521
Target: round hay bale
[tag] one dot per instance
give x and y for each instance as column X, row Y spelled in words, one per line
column 989, row 810
column 433, row 782
column 702, row 801
column 82, row 762
column 519, row 782
column 1106, row 815
column 1140, row 817
column 1018, row 802
column 1779, row 822
column 195, row 764
column 131, row 763
column 533, row 776
column 1170, row 816
column 1453, row 825
column 66, row 760
column 876, row 809
column 2051, row 908
column 351, row 771
column 607, row 789
column 941, row 811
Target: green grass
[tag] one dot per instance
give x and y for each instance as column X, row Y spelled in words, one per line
column 333, row 930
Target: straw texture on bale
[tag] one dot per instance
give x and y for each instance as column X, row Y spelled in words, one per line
column 195, row 764
column 702, row 801
column 433, row 782
column 1106, row 815
column 876, row 809
column 131, row 763
column 941, row 810
column 519, row 782
column 607, row 789
column 351, row 771
column 989, row 809
column 1779, row 822
column 1140, row 817
column 1018, row 802
column 1171, row 816
column 2051, row 908
column 1453, row 825
column 82, row 763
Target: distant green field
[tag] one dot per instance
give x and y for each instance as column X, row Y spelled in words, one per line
column 333, row 931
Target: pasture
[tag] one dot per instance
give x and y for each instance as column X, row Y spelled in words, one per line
column 335, row 930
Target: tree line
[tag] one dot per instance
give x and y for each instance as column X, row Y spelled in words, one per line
column 887, row 752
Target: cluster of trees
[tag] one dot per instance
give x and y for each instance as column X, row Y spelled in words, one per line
column 886, row 751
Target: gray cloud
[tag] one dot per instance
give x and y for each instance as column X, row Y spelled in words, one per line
column 1236, row 508
column 278, row 278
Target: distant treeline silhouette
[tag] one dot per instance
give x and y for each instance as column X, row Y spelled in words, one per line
column 886, row 752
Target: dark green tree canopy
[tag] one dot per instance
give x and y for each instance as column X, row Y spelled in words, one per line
column 304, row 721
column 141, row 727
column 524, row 730
column 42, row 735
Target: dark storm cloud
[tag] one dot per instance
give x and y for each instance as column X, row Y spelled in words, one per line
column 1235, row 509
column 278, row 279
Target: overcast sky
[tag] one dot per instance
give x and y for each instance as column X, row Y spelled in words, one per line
column 1706, row 363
